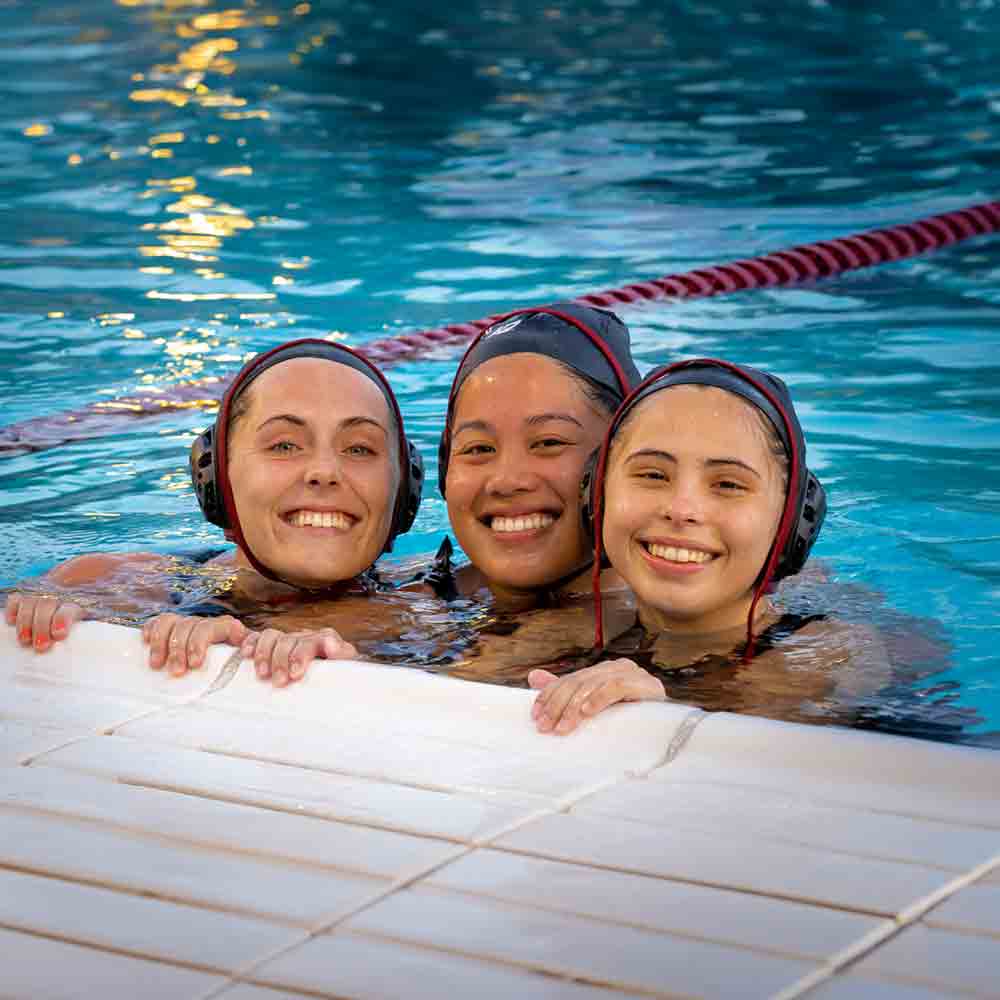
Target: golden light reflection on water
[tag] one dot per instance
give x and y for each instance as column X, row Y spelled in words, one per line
column 197, row 69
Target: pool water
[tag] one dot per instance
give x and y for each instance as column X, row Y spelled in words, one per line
column 186, row 182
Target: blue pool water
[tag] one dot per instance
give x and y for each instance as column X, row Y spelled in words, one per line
column 184, row 182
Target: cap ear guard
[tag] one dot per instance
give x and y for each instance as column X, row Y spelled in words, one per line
column 203, row 479
column 410, row 493
column 811, row 514
column 587, row 495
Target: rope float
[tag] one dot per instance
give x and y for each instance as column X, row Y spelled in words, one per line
column 808, row 262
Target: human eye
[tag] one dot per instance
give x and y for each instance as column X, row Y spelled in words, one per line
column 283, row 447
column 476, row 449
column 550, row 443
column 730, row 486
column 360, row 449
column 649, row 475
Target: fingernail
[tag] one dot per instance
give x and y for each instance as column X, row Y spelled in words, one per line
column 58, row 627
column 564, row 726
column 297, row 669
column 24, row 635
column 280, row 678
column 261, row 669
column 41, row 642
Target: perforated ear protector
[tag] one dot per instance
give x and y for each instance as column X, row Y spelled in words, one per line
column 624, row 383
column 805, row 500
column 209, row 452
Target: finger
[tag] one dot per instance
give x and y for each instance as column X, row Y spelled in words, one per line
column 66, row 615
column 180, row 645
column 539, row 679
column 236, row 631
column 281, row 658
column 305, row 651
column 555, row 699
column 333, row 646
column 160, row 629
column 41, row 623
column 571, row 716
column 249, row 645
column 26, row 620
column 262, row 651
column 202, row 635
column 10, row 610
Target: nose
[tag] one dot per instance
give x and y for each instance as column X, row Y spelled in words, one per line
column 323, row 468
column 511, row 473
column 683, row 503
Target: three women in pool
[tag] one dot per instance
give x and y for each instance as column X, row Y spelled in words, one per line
column 308, row 470
column 701, row 500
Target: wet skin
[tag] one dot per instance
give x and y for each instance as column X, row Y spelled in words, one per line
column 692, row 503
column 522, row 430
column 314, row 471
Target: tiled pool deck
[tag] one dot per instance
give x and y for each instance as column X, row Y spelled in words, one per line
column 377, row 832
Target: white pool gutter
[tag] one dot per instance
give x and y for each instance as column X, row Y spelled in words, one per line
column 384, row 832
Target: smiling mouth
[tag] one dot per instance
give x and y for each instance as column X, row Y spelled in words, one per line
column 674, row 553
column 523, row 522
column 319, row 519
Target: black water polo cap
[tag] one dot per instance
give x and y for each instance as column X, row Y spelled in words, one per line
column 593, row 342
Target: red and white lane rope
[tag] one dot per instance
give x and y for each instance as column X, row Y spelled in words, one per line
column 808, row 262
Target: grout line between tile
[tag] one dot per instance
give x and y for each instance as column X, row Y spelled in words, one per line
column 112, row 949
column 867, row 944
column 245, row 974
column 226, row 672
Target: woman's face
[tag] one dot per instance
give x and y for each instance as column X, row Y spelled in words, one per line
column 314, row 471
column 692, row 502
column 522, row 429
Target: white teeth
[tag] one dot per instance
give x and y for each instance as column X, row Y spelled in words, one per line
column 673, row 554
column 320, row 519
column 527, row 522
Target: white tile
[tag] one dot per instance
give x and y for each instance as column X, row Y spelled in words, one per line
column 75, row 850
column 294, row 789
column 101, row 657
column 40, row 701
column 793, row 816
column 423, row 728
column 609, row 954
column 19, row 740
column 224, row 825
column 765, row 924
column 975, row 908
column 150, row 928
column 727, row 859
column 377, row 753
column 244, row 991
column 939, row 959
column 355, row 965
column 852, row 987
column 862, row 770
column 53, row 970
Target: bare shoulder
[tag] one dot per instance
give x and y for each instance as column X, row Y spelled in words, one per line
column 95, row 566
column 852, row 654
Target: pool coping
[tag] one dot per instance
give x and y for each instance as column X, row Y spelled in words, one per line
column 411, row 829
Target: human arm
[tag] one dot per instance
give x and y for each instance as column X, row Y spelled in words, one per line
column 44, row 610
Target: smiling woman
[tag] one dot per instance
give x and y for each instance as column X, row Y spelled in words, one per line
column 530, row 401
column 307, row 469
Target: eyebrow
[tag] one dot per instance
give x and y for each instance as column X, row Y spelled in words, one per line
column 538, row 418
column 345, row 424
column 709, row 462
column 544, row 418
